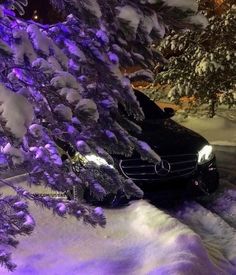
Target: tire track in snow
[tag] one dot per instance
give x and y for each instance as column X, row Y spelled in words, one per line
column 214, row 218
column 223, row 203
column 218, row 237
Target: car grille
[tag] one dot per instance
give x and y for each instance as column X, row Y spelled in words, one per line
column 141, row 170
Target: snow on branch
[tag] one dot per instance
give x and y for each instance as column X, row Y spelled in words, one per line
column 60, row 93
column 16, row 112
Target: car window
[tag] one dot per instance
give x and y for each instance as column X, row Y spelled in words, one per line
column 149, row 107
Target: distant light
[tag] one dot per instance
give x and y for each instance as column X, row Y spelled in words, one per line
column 35, row 15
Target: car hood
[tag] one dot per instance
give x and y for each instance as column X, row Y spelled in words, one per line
column 167, row 137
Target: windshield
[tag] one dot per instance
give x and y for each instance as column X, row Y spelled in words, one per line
column 149, row 107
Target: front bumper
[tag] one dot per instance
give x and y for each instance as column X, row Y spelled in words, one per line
column 203, row 181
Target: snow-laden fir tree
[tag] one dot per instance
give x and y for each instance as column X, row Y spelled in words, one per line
column 63, row 83
column 201, row 64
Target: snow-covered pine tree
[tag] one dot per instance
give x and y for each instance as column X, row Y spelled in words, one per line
column 201, row 63
column 62, row 83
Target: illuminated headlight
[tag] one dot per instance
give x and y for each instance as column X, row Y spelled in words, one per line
column 205, row 154
column 79, row 160
column 98, row 160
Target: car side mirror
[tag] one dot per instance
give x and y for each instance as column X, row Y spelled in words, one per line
column 170, row 112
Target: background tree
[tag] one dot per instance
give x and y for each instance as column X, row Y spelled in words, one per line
column 63, row 83
column 214, row 7
column 201, row 63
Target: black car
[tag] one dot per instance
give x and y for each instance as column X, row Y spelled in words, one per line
column 188, row 164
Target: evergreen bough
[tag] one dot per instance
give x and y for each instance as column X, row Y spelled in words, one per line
column 64, row 82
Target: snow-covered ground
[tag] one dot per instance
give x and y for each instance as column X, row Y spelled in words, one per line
column 220, row 130
column 192, row 238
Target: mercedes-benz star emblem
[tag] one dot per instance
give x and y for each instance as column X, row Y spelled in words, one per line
column 162, row 168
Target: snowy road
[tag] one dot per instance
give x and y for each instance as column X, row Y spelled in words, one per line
column 195, row 238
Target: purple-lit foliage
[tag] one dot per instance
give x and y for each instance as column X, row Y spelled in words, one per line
column 17, row 5
column 64, row 82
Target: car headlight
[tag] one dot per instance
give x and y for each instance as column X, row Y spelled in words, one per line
column 98, row 160
column 78, row 158
column 205, row 154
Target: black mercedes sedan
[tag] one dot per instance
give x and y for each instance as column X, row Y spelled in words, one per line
column 188, row 164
